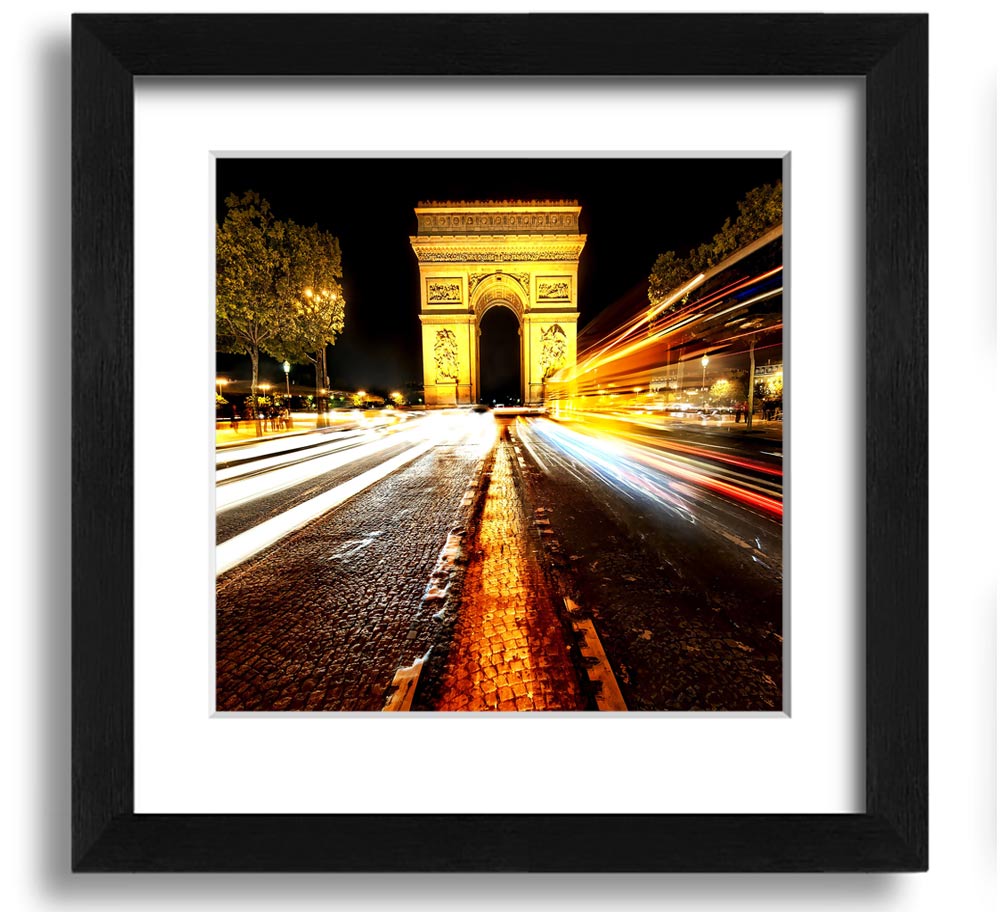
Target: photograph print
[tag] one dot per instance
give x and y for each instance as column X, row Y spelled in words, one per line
column 499, row 434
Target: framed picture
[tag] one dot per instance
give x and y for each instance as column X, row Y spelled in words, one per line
column 545, row 289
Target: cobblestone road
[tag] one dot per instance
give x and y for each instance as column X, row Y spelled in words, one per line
column 508, row 648
column 322, row 620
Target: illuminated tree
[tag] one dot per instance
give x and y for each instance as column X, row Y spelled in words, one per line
column 773, row 387
column 251, row 260
column 758, row 212
column 311, row 291
column 726, row 392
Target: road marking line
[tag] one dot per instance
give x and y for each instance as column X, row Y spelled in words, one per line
column 245, row 545
column 354, row 545
column 534, row 454
column 609, row 697
column 404, row 686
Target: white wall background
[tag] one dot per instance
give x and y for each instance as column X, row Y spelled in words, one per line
column 964, row 545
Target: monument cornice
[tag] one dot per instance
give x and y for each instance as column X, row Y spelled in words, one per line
column 448, row 316
column 551, row 315
column 504, row 248
column 496, row 218
column 508, row 205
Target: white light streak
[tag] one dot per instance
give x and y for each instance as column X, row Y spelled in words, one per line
column 245, row 545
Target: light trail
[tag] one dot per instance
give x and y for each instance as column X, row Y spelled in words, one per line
column 439, row 429
column 242, row 547
column 253, row 466
column 236, row 492
column 702, row 451
column 342, row 425
column 648, row 468
column 651, row 345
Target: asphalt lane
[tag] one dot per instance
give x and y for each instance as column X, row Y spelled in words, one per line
column 684, row 584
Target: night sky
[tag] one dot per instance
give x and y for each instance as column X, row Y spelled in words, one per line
column 632, row 210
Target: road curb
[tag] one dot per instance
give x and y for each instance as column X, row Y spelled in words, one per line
column 607, row 694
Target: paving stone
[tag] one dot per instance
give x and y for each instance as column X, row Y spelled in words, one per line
column 507, row 617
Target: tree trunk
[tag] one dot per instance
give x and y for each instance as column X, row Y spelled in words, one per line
column 753, row 342
column 319, row 362
column 254, row 361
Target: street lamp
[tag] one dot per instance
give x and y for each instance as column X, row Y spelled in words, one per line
column 219, row 383
column 286, row 367
column 704, row 366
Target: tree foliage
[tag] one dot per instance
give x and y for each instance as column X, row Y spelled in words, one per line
column 758, row 212
column 727, row 391
column 251, row 259
column 312, row 297
column 278, row 286
column 770, row 387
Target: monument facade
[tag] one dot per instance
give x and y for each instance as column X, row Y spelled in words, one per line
column 477, row 255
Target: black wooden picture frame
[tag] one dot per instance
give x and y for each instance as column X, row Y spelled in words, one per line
column 889, row 51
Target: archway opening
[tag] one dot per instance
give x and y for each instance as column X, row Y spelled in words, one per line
column 499, row 358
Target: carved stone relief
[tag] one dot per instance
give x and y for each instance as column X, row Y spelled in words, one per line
column 522, row 278
column 553, row 355
column 444, row 292
column 556, row 289
column 446, row 356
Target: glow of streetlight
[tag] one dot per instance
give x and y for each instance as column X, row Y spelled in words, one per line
column 704, row 362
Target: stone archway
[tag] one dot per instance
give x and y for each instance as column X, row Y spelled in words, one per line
column 474, row 256
column 499, row 368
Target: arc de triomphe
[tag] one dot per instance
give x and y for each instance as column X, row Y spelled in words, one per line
column 473, row 256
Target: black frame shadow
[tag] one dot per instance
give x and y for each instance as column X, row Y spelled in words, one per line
column 889, row 51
